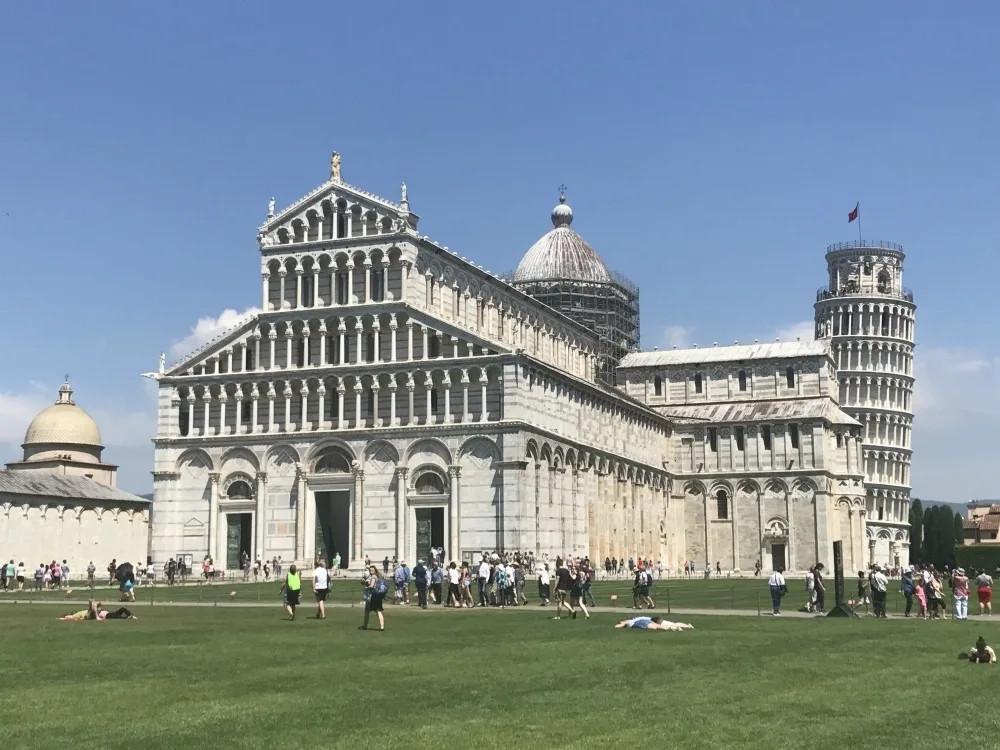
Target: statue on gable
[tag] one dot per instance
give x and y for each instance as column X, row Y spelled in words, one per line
column 163, row 363
column 270, row 208
column 335, row 167
column 404, row 193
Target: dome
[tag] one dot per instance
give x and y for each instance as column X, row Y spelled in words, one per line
column 561, row 254
column 63, row 423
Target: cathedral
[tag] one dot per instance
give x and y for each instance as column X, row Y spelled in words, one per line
column 392, row 396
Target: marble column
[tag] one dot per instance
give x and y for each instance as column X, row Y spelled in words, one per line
column 454, row 541
column 300, row 516
column 261, row 519
column 213, row 519
column 356, row 510
column 401, row 512
column 790, row 562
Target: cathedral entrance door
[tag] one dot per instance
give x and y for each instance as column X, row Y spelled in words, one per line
column 333, row 526
column 430, row 532
column 239, row 538
column 777, row 557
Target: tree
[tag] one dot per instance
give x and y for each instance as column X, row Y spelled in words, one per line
column 916, row 531
column 959, row 530
column 928, row 551
column 944, row 532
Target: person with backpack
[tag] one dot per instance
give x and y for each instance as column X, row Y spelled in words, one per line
column 376, row 588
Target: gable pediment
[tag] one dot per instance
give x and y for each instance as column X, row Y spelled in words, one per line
column 216, row 347
column 303, row 220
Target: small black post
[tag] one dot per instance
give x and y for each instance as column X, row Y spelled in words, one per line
column 840, row 609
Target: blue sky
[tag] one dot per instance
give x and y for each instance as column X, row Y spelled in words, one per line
column 712, row 151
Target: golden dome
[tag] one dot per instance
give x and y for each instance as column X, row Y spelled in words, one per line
column 63, row 423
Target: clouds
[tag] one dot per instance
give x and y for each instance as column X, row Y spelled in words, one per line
column 804, row 330
column 954, row 385
column 118, row 427
column 16, row 412
column 208, row 328
column 675, row 336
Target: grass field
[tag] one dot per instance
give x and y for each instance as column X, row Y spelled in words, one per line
column 236, row 677
column 737, row 593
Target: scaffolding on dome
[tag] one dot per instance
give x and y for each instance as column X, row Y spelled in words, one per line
column 611, row 309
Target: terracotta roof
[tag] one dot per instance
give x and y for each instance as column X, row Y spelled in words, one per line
column 990, row 522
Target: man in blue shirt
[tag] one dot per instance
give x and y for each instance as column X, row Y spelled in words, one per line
column 437, row 578
column 420, row 578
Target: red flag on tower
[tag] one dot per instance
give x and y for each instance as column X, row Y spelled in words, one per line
column 854, row 214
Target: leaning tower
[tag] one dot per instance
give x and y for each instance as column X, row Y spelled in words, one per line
column 868, row 315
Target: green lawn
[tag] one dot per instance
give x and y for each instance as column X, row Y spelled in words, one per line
column 736, row 593
column 236, row 677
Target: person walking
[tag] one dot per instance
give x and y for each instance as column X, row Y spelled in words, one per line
column 984, row 591
column 292, row 588
column 437, row 578
column 960, row 590
column 820, row 589
column 576, row 592
column 321, row 588
column 420, row 578
column 776, row 585
column 376, row 588
column 483, row 577
column 564, row 581
column 908, row 588
column 543, row 585
column 879, row 586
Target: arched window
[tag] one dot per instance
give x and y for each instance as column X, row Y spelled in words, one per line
column 307, row 289
column 183, row 424
column 743, row 380
column 333, row 462
column 434, row 346
column 790, row 377
column 341, row 224
column 370, row 403
column 658, row 385
column 341, row 288
column 429, row 484
column 249, row 359
column 377, row 284
column 697, row 382
column 370, row 347
column 434, row 400
column 239, row 490
column 300, row 353
column 884, row 281
column 722, row 503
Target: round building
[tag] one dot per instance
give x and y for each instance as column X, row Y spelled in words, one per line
column 868, row 315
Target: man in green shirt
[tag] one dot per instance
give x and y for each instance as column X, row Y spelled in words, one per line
column 291, row 589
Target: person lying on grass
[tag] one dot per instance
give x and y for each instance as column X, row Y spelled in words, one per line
column 94, row 612
column 981, row 653
column 653, row 623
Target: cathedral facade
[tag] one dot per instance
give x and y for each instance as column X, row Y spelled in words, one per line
column 392, row 396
